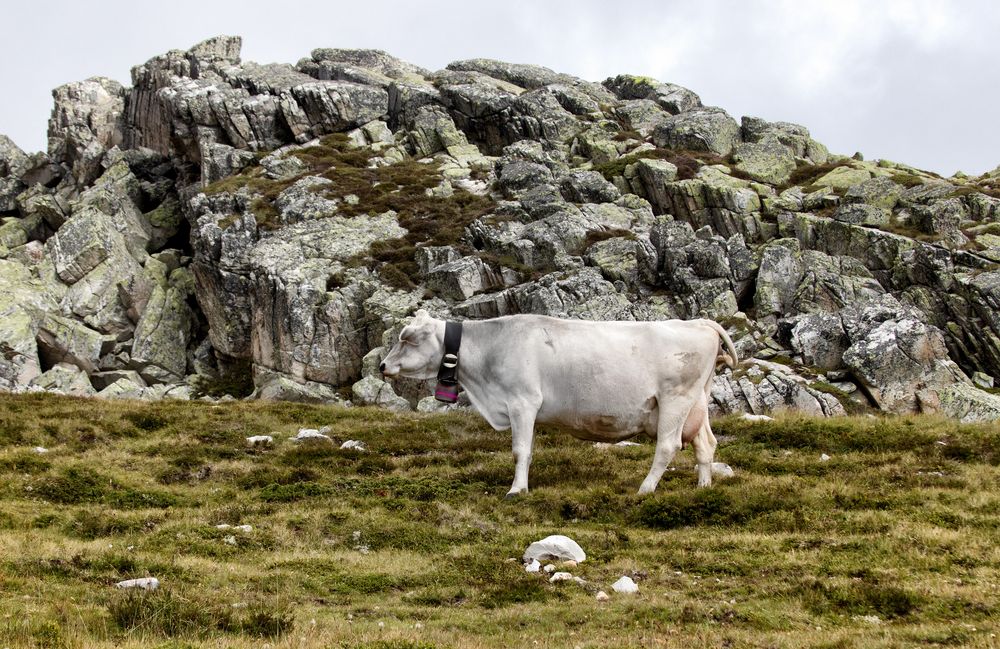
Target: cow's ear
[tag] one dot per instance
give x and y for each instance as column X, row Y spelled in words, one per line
column 421, row 313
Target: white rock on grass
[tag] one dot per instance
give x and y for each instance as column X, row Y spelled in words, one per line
column 40, row 450
column 824, row 458
column 750, row 417
column 532, row 566
column 145, row 583
column 722, row 470
column 242, row 528
column 310, row 433
column 549, row 567
column 261, row 440
column 625, row 585
column 560, row 576
column 602, row 596
column 354, row 445
column 555, row 548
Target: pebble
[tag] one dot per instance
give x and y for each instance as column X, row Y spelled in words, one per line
column 532, row 566
column 625, row 585
column 602, row 596
column 568, row 564
column 824, row 458
column 560, row 576
column 549, row 568
column 355, row 445
column 145, row 583
column 262, row 440
column 229, row 540
column 750, row 417
column 40, row 450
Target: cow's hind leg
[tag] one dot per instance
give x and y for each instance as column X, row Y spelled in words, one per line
column 704, row 452
column 669, row 425
column 522, row 426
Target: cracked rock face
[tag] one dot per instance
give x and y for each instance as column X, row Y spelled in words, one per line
column 221, row 216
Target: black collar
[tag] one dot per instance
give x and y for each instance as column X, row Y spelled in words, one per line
column 448, row 372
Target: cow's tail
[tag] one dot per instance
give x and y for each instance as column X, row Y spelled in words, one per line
column 730, row 358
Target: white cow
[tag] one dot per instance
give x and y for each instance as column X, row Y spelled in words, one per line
column 604, row 381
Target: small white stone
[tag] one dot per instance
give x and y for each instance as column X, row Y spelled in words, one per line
column 354, row 445
column 722, row 470
column 40, row 450
column 325, row 430
column 824, row 458
column 418, row 625
column 602, row 596
column 549, row 567
column 627, row 443
column 309, row 433
column 756, row 418
column 568, row 564
column 223, row 526
column 560, row 576
column 532, row 566
column 260, row 440
column 145, row 583
column 244, row 528
column 229, row 540
column 625, row 585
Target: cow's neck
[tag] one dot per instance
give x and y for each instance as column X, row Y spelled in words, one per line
column 476, row 357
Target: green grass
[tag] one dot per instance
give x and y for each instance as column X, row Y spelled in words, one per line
column 412, row 545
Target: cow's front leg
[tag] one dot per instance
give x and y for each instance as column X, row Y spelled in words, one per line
column 522, row 427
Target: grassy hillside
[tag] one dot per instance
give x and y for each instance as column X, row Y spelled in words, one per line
column 891, row 542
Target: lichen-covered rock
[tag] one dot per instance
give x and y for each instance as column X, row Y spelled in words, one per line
column 371, row 391
column 880, row 192
column 86, row 122
column 64, row 378
column 461, row 279
column 701, row 129
column 862, row 214
column 669, row 96
column 903, row 365
column 843, row 178
column 588, row 187
column 64, row 340
column 767, row 161
column 163, row 332
column 277, row 387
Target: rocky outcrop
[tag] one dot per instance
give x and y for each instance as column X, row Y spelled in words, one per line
column 222, row 219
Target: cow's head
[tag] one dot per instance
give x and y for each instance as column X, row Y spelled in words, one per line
column 419, row 350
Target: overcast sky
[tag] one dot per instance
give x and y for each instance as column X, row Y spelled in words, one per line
column 913, row 81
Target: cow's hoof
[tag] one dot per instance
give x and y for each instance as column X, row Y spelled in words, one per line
column 645, row 491
column 511, row 495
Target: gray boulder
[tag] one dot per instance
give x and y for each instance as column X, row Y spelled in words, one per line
column 669, row 96
column 903, row 365
column 86, row 121
column 701, row 129
column 588, row 187
column 64, row 378
column 766, row 161
column 461, row 279
column 371, row 391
